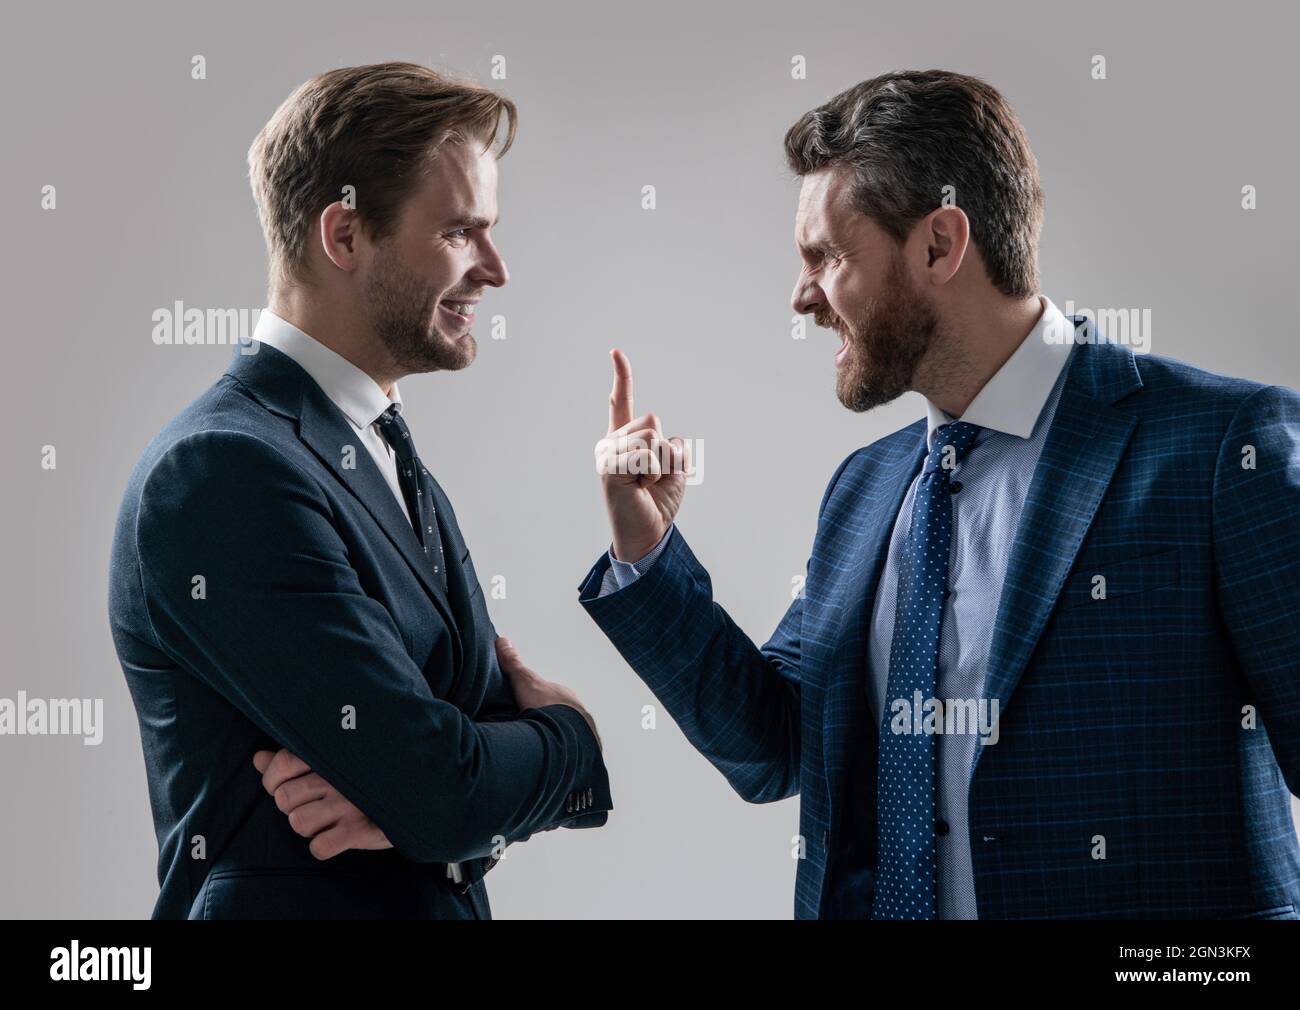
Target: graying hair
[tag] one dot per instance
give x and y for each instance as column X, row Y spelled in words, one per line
column 908, row 134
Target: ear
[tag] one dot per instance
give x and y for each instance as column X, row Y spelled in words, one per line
column 341, row 235
column 946, row 234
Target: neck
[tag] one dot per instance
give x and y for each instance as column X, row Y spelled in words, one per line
column 978, row 342
column 337, row 327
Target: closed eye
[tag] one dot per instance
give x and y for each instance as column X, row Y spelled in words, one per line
column 816, row 254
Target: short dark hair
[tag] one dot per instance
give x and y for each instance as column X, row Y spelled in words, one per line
column 906, row 135
column 372, row 127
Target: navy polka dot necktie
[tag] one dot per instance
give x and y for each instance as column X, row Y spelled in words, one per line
column 417, row 488
column 905, row 861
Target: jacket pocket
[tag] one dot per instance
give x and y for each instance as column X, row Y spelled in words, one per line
column 1097, row 581
column 248, row 893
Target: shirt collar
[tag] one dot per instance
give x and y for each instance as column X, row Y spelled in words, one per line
column 1014, row 397
column 348, row 387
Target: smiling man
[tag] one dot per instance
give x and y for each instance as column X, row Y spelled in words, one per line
column 1099, row 547
column 331, row 727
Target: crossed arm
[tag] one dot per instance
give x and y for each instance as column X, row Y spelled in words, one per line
column 283, row 630
column 318, row 811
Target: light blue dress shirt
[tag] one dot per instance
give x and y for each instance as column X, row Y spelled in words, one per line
column 1015, row 407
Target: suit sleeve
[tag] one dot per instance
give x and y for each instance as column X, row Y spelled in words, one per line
column 738, row 704
column 280, row 626
column 1257, row 559
column 622, row 574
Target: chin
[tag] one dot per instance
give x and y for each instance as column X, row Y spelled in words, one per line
column 861, row 394
column 458, row 351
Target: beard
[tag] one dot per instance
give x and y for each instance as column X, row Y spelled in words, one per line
column 402, row 312
column 887, row 343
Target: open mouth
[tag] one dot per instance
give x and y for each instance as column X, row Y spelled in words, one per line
column 842, row 353
column 460, row 314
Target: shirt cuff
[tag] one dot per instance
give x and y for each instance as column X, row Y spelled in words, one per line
column 622, row 574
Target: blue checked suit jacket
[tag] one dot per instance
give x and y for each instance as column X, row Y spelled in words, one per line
column 1159, row 726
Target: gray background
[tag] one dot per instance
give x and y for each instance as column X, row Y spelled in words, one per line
column 1142, row 172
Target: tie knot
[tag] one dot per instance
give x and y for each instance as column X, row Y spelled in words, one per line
column 951, row 443
column 396, row 433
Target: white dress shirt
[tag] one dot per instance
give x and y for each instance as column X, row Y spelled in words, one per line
column 350, row 389
column 1014, row 397
column 1014, row 410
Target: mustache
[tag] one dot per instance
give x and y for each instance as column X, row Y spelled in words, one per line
column 827, row 319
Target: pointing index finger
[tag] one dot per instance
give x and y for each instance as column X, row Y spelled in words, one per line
column 620, row 398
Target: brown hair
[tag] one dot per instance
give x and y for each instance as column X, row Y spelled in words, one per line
column 375, row 128
column 906, row 135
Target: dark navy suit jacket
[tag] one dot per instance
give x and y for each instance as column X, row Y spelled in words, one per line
column 267, row 591
column 1162, row 721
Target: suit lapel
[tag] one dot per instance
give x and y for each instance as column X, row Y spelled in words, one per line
column 459, row 591
column 882, row 497
column 1083, row 448
column 281, row 385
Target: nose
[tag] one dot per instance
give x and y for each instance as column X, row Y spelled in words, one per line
column 806, row 297
column 491, row 269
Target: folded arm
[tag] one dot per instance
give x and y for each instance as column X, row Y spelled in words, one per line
column 283, row 630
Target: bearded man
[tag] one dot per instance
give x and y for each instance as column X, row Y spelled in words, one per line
column 1045, row 663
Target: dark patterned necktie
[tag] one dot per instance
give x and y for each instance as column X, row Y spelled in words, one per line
column 905, row 876
column 417, row 488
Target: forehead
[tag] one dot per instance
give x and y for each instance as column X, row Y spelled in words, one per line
column 460, row 181
column 824, row 207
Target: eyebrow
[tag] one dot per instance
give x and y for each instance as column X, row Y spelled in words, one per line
column 815, row 241
column 472, row 222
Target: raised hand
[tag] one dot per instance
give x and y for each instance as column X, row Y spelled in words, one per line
column 642, row 473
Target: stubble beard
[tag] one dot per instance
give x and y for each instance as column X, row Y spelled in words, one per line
column 402, row 308
column 888, row 344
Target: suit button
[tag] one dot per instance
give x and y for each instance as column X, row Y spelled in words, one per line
column 590, row 796
column 955, row 486
column 941, row 827
column 826, row 840
column 568, row 804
